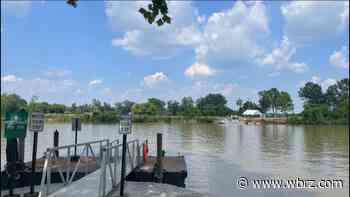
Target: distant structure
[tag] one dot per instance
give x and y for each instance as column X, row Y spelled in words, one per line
column 252, row 113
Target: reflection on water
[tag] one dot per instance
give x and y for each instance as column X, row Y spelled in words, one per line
column 218, row 154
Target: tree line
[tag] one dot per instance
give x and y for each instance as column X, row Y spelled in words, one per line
column 210, row 105
column 329, row 106
column 272, row 100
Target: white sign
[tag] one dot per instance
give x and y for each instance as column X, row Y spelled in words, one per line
column 76, row 124
column 37, row 122
column 125, row 125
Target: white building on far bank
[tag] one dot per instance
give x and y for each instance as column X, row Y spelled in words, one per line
column 253, row 113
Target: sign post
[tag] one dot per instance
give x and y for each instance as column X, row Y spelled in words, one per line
column 15, row 127
column 76, row 126
column 124, row 129
column 36, row 125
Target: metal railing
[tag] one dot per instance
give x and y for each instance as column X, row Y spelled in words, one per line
column 111, row 162
column 51, row 157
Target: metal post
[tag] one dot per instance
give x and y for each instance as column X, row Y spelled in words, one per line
column 159, row 164
column 32, row 183
column 55, row 142
column 21, row 149
column 11, row 158
column 76, row 138
column 123, row 166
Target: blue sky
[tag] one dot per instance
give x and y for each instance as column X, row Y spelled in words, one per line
column 106, row 50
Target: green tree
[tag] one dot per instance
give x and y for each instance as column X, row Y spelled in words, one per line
column 332, row 97
column 311, row 93
column 239, row 103
column 33, row 103
column 212, row 105
column 264, row 101
column 173, row 107
column 74, row 107
column 12, row 102
column 138, row 109
column 285, row 103
column 275, row 100
column 187, row 107
column 158, row 104
column 315, row 113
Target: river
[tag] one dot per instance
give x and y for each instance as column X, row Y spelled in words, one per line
column 217, row 155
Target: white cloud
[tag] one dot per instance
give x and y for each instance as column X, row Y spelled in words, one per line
column 328, row 82
column 233, row 35
column 201, row 19
column 226, row 36
column 280, row 58
column 199, row 69
column 155, row 79
column 10, row 78
column 323, row 83
column 46, row 89
column 340, row 58
column 141, row 38
column 313, row 20
column 95, row 82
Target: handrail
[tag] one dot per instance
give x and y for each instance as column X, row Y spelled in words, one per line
column 50, row 155
column 77, row 145
column 111, row 158
column 109, row 163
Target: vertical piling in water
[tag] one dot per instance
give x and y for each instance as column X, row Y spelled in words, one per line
column 159, row 164
column 56, row 142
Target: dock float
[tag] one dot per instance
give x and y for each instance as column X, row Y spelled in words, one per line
column 174, row 171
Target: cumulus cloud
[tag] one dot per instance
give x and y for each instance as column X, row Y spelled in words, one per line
column 47, row 89
column 95, row 82
column 155, row 79
column 340, row 58
column 233, row 35
column 227, row 36
column 314, row 20
column 317, row 79
column 140, row 38
column 10, row 78
column 281, row 58
column 199, row 69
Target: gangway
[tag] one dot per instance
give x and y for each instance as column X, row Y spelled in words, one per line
column 96, row 184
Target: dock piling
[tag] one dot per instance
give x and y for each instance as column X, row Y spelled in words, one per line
column 159, row 165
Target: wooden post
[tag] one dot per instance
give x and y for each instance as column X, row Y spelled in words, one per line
column 159, row 164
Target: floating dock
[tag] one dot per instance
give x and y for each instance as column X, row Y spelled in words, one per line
column 87, row 165
column 174, row 171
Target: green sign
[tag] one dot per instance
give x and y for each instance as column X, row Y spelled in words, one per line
column 16, row 124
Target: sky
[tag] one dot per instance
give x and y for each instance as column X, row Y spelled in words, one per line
column 106, row 50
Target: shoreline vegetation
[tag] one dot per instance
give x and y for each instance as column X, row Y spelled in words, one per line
column 108, row 119
column 330, row 106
